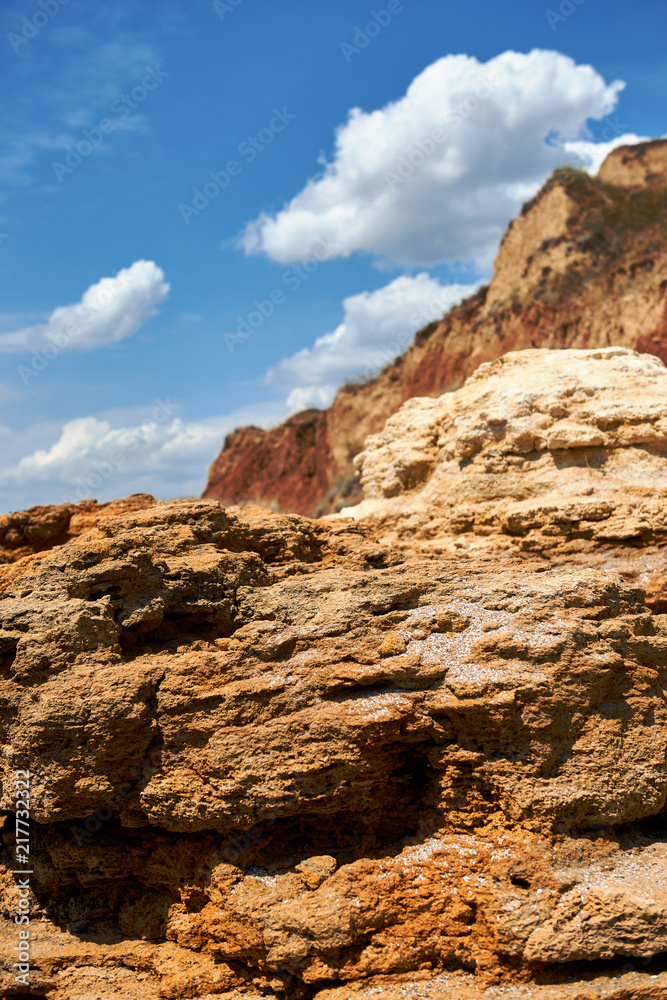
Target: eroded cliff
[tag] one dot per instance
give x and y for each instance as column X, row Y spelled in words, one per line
column 583, row 266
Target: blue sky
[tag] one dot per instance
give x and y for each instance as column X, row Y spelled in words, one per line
column 134, row 389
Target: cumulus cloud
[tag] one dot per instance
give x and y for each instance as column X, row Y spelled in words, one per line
column 376, row 327
column 93, row 457
column 109, row 311
column 437, row 175
column 88, row 445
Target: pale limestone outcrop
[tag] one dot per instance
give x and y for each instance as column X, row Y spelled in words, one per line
column 551, row 452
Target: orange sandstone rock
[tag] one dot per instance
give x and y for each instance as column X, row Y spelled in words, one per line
column 270, row 756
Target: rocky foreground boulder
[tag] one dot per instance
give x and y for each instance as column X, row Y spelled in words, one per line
column 560, row 455
column 272, row 757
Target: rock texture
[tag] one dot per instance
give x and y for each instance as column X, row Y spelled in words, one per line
column 583, row 266
column 41, row 528
column 636, row 166
column 560, row 454
column 272, row 757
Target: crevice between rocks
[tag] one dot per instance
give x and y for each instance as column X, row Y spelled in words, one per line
column 589, row 969
column 8, row 650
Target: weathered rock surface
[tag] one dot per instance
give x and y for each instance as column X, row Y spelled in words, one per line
column 583, row 266
column 636, row 166
column 41, row 528
column 561, row 454
column 270, row 756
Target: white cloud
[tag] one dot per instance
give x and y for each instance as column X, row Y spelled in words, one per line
column 402, row 190
column 92, row 457
column 109, row 311
column 376, row 328
column 11, row 319
column 89, row 444
column 306, row 397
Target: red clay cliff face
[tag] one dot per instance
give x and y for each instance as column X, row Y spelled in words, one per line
column 281, row 468
column 583, row 266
